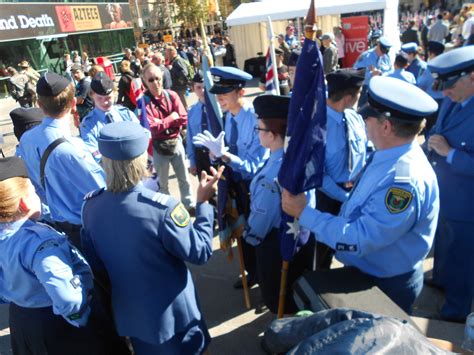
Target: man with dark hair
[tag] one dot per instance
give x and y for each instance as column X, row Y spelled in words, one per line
column 386, row 226
column 84, row 103
column 399, row 72
column 439, row 31
column 17, row 87
column 59, row 165
column 346, row 148
column 410, row 34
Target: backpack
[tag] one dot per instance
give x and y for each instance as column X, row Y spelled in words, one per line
column 186, row 72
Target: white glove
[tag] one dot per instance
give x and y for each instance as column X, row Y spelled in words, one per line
column 215, row 145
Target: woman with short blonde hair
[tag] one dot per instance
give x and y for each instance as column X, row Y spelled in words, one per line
column 44, row 279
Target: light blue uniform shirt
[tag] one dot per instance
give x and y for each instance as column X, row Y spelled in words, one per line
column 250, row 154
column 39, row 268
column 386, row 227
column 95, row 120
column 265, row 201
column 194, row 127
column 425, row 83
column 70, row 172
column 401, row 74
column 336, row 163
column 417, row 67
column 370, row 57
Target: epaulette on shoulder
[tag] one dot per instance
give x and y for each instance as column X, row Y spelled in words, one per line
column 402, row 172
column 159, row 197
column 93, row 193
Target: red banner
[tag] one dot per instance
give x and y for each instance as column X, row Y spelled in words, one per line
column 355, row 30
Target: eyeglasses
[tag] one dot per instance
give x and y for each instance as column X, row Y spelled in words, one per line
column 151, row 80
column 257, row 128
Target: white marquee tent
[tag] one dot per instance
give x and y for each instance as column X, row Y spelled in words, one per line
column 248, row 28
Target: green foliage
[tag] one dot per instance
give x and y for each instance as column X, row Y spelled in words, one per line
column 191, row 12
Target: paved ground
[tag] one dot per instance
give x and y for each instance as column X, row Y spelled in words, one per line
column 234, row 329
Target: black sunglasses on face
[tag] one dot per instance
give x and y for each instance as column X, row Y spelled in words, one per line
column 151, row 80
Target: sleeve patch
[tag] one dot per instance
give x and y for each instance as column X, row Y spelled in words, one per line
column 180, row 216
column 346, row 247
column 397, row 200
column 48, row 244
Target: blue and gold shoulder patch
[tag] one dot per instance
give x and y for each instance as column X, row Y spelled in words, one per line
column 180, row 216
column 397, row 200
column 93, row 193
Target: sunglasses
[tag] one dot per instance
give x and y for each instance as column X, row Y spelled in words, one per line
column 151, row 80
column 446, row 83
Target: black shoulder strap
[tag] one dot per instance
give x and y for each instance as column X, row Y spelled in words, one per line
column 45, row 156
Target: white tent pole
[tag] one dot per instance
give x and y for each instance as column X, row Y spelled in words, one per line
column 272, row 54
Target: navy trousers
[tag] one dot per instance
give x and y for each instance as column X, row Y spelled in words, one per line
column 454, row 266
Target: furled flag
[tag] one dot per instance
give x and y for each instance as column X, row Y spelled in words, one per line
column 271, row 75
column 213, row 110
column 229, row 227
column 303, row 163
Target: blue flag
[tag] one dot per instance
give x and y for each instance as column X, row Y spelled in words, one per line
column 213, row 110
column 303, row 163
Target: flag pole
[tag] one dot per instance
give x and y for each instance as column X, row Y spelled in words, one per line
column 309, row 33
column 272, row 54
column 245, row 285
column 209, row 63
column 283, row 281
column 207, row 51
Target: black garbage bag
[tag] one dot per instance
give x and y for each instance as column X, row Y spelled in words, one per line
column 346, row 331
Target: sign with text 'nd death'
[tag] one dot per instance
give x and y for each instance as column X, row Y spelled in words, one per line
column 21, row 21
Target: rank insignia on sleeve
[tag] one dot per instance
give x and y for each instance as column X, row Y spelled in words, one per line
column 180, row 216
column 397, row 200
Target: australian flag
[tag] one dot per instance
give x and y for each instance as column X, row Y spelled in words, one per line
column 303, row 163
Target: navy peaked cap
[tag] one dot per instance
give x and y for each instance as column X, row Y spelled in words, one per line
column 101, row 84
column 227, row 79
column 123, row 140
column 51, row 84
column 272, row 106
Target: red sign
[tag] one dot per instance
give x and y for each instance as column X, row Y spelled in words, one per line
column 355, row 30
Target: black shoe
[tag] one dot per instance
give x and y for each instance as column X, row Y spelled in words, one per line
column 261, row 307
column 250, row 282
column 432, row 284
